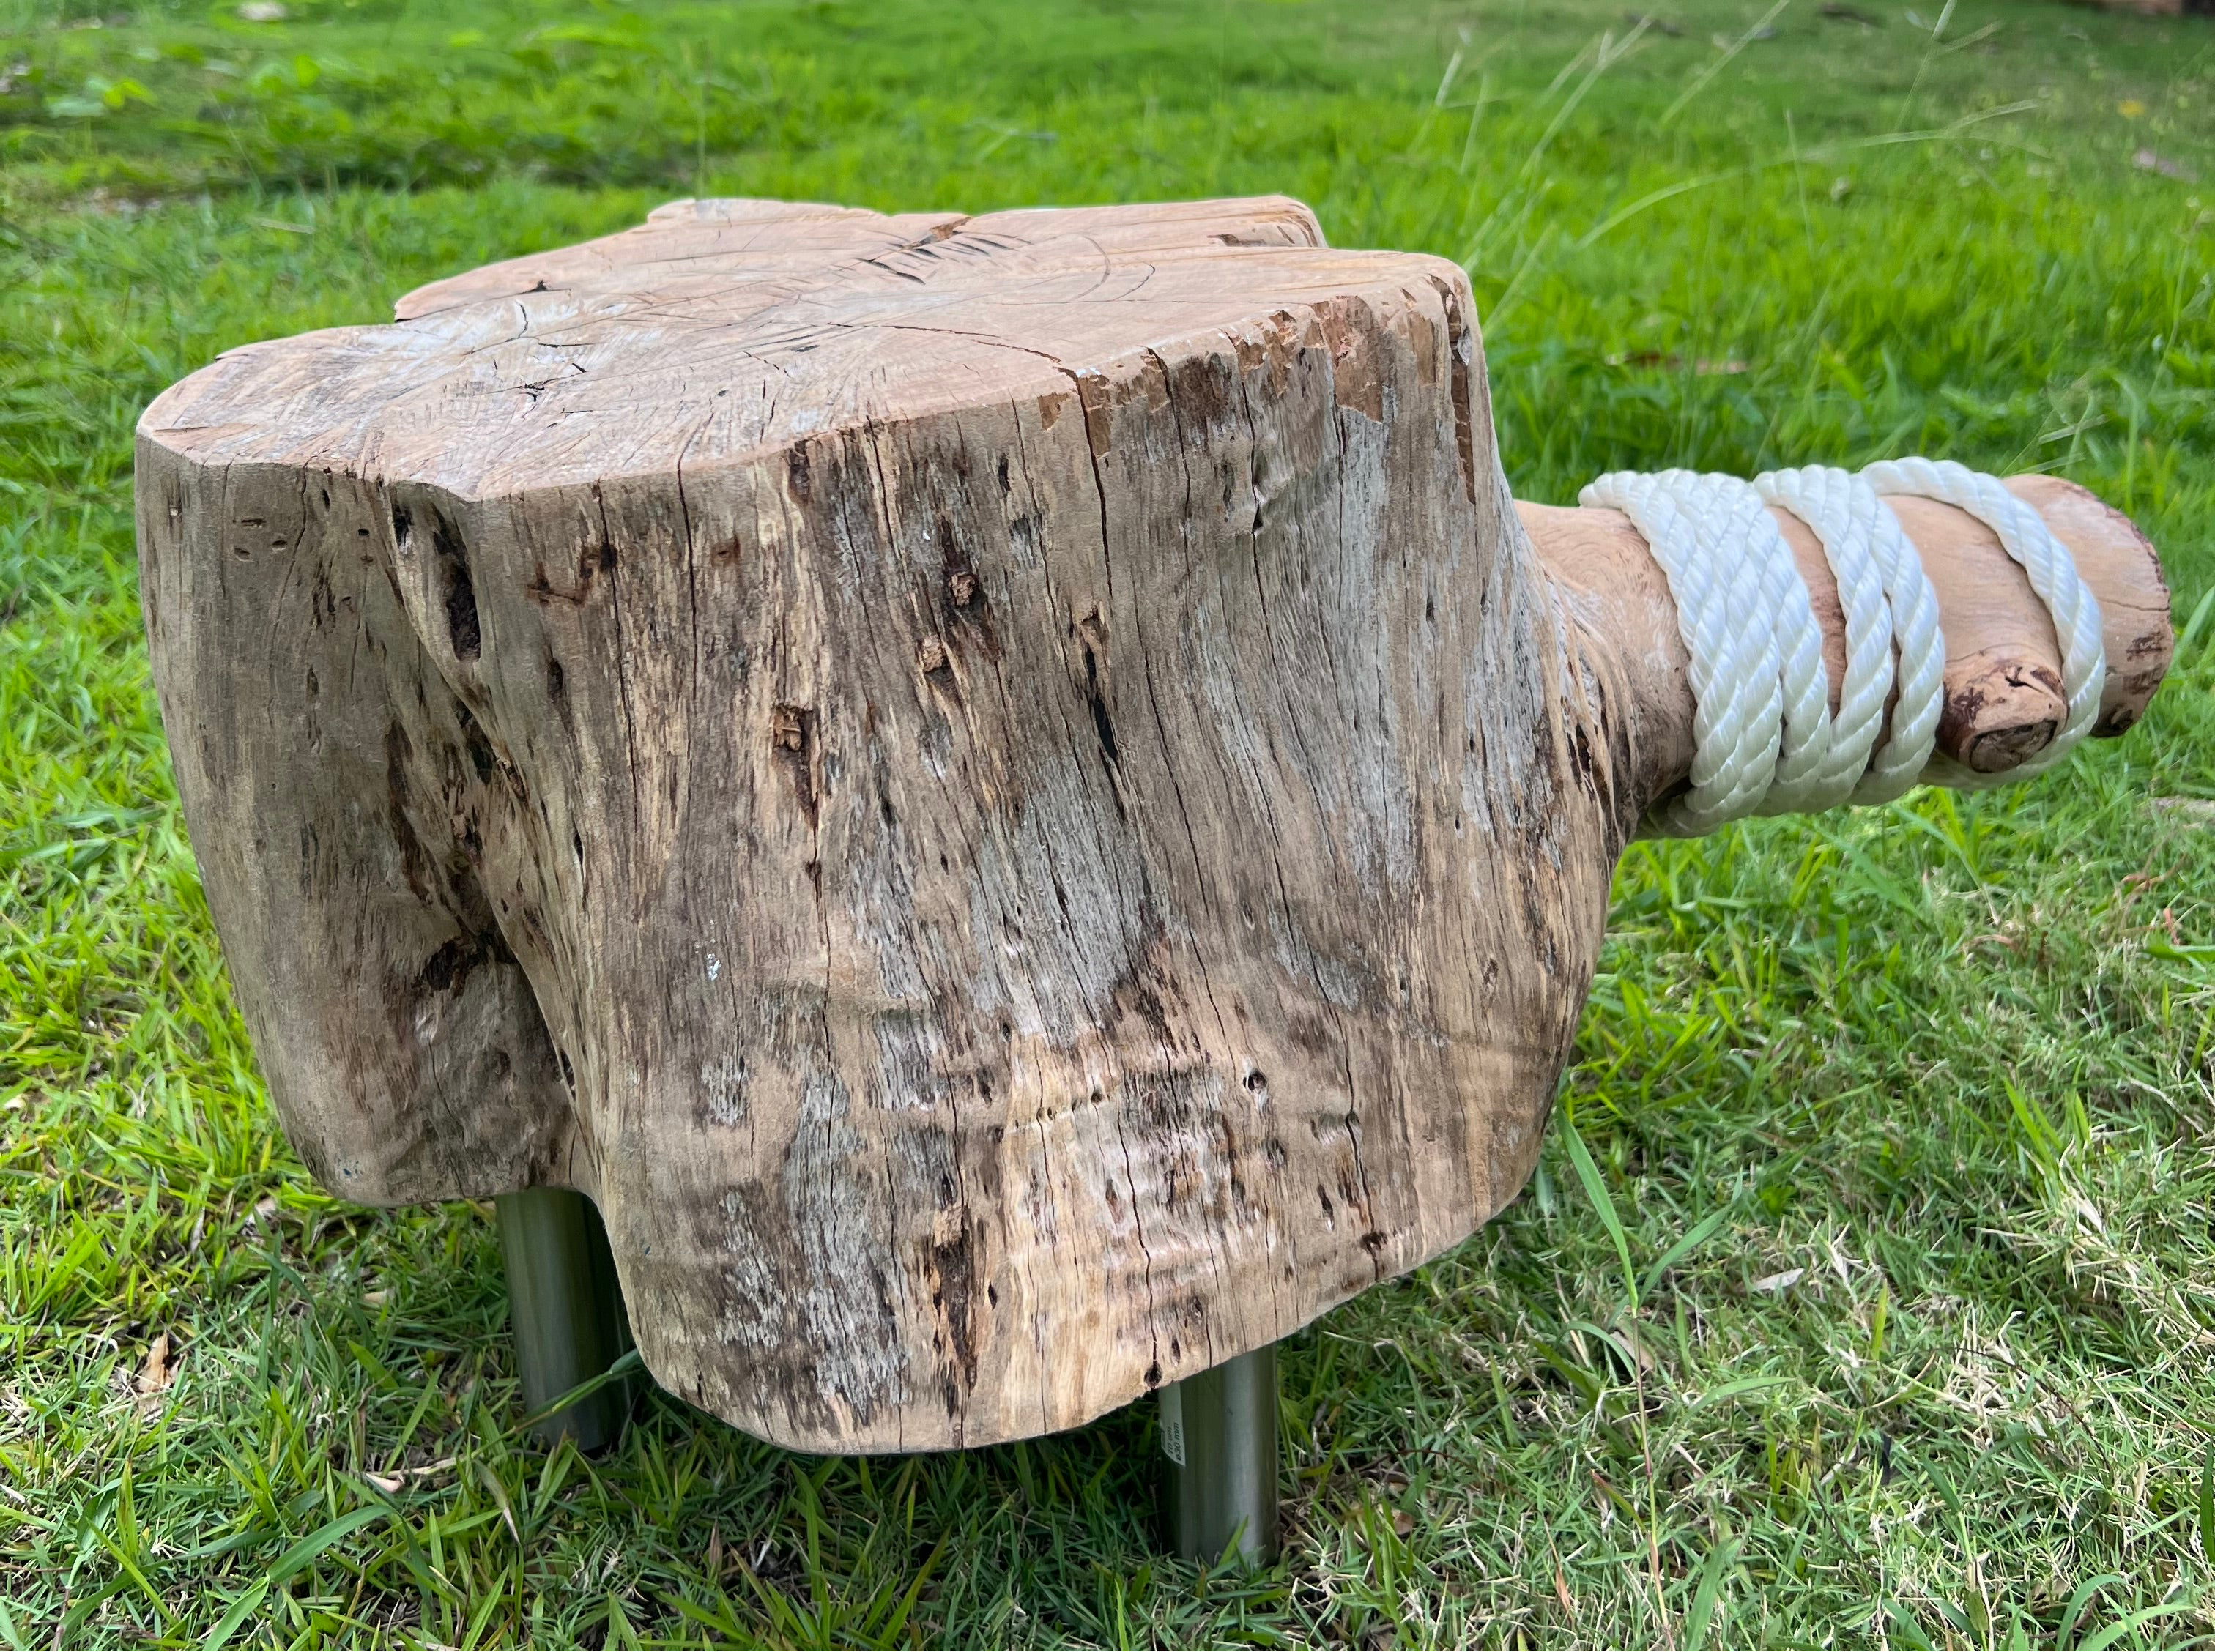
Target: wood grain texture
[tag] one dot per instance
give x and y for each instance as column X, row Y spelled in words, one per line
column 1003, row 792
column 1007, row 794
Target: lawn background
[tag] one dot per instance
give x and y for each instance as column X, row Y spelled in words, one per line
column 1944, row 1067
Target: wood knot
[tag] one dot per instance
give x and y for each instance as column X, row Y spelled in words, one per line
column 792, row 734
column 787, row 728
column 2001, row 710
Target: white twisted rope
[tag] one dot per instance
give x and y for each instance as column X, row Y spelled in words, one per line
column 1765, row 738
column 2025, row 536
column 1738, row 697
column 1888, row 601
column 1730, row 511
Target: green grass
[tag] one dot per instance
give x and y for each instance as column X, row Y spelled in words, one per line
column 1928, row 1086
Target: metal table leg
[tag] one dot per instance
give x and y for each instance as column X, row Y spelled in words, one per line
column 1219, row 1433
column 566, row 1310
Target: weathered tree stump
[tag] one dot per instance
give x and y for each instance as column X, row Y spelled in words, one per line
column 1008, row 795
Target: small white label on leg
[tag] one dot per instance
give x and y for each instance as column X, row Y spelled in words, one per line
column 1173, row 1424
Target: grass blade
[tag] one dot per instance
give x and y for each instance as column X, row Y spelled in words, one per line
column 2064, row 1635
column 2135, row 1621
column 1596, row 1190
column 2207, row 1504
column 227, row 1626
column 292, row 1561
column 296, row 1557
column 2190, row 634
column 1720, row 1560
column 1722, row 60
column 1907, row 1628
column 1700, row 1234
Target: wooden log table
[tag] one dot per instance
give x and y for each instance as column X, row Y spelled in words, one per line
column 1009, row 798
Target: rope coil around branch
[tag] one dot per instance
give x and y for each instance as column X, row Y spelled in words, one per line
column 2024, row 535
column 1765, row 740
column 1888, row 605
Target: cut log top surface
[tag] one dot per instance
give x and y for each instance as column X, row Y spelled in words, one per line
column 1008, row 794
column 718, row 330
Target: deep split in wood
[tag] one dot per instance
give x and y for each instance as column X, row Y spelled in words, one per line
column 1011, row 798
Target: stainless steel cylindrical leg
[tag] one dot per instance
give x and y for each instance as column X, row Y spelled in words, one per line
column 1219, row 1434
column 567, row 1312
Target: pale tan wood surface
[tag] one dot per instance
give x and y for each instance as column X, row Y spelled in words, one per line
column 1008, row 794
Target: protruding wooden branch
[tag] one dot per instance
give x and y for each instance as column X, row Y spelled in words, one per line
column 2002, row 682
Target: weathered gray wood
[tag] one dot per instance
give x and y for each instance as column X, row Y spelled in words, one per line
column 1006, row 793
